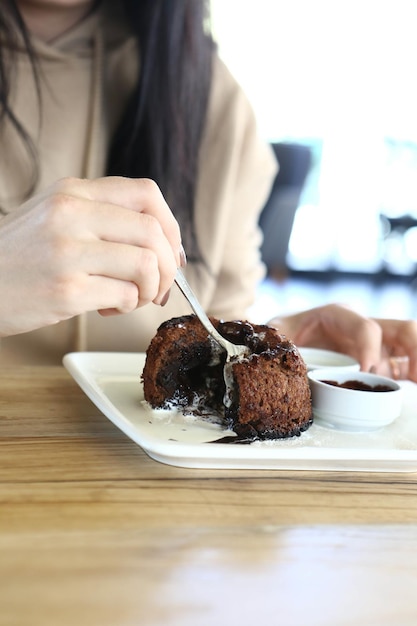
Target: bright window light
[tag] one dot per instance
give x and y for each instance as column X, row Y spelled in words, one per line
column 339, row 75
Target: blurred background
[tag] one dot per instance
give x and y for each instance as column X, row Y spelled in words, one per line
column 333, row 88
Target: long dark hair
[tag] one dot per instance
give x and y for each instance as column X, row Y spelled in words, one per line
column 160, row 133
column 11, row 24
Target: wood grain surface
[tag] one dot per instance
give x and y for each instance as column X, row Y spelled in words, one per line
column 92, row 531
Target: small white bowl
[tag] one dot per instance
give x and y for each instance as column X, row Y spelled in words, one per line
column 351, row 409
column 315, row 358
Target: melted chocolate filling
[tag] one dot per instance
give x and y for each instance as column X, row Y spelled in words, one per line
column 247, row 434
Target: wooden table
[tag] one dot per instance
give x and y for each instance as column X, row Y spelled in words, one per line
column 94, row 532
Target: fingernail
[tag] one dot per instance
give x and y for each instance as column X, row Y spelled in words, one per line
column 183, row 257
column 165, row 298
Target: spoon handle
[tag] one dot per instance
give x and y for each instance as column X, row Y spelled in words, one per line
column 183, row 285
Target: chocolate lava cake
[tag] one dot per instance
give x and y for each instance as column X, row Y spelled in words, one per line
column 267, row 394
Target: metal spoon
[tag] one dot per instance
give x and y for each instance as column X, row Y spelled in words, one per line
column 231, row 348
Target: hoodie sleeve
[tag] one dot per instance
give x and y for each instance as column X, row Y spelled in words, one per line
column 236, row 172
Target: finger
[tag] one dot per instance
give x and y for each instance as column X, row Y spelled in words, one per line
column 367, row 342
column 147, row 260
column 147, row 269
column 405, row 366
column 117, row 242
column 412, row 367
column 400, row 339
column 407, row 350
column 137, row 194
column 399, row 367
column 93, row 293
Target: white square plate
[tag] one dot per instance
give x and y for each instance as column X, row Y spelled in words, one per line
column 112, row 381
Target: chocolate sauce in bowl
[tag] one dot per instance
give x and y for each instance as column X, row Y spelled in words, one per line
column 358, row 385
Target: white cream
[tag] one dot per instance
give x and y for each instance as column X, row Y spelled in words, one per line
column 229, row 379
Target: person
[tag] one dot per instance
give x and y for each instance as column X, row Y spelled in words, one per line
column 114, row 118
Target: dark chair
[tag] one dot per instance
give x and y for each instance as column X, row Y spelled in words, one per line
column 277, row 217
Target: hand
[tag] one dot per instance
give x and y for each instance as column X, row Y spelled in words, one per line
column 110, row 244
column 387, row 347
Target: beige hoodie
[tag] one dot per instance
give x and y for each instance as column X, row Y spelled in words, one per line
column 87, row 76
